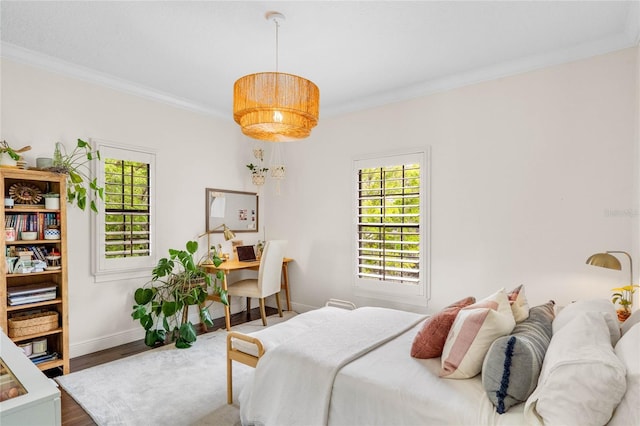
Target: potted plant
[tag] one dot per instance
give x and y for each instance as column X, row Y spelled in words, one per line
column 8, row 156
column 177, row 282
column 623, row 296
column 257, row 173
column 77, row 166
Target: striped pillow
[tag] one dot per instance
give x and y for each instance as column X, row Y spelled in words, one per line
column 473, row 331
column 512, row 365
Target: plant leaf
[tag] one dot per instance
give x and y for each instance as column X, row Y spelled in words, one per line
column 143, row 296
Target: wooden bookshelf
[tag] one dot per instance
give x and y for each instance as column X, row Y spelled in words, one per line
column 58, row 338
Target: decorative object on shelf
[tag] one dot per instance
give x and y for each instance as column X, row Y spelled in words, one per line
column 9, row 157
column 52, row 233
column 43, row 163
column 162, row 304
column 25, row 193
column 9, row 234
column 53, row 262
column 622, row 296
column 8, row 203
column 28, row 235
column 51, row 201
column 10, row 261
column 274, row 106
column 77, row 166
column 257, row 174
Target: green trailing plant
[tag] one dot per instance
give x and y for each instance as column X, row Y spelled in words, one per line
column 177, row 282
column 80, row 180
column 257, row 169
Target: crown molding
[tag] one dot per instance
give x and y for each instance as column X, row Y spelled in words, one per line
column 630, row 38
column 58, row 66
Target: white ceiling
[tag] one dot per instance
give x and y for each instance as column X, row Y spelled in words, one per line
column 360, row 54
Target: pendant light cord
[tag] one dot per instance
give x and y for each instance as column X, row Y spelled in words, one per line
column 277, row 27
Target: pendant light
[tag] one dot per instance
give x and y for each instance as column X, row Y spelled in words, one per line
column 275, row 106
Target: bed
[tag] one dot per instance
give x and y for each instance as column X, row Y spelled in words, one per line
column 353, row 367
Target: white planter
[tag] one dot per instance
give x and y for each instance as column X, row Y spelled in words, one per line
column 6, row 160
column 257, row 179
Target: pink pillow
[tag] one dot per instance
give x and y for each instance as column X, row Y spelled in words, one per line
column 429, row 341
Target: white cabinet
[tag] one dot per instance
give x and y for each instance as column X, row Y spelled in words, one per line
column 38, row 402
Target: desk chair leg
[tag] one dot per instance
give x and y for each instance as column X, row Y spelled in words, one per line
column 278, row 303
column 248, row 306
column 263, row 314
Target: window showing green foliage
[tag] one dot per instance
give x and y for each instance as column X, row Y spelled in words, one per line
column 127, row 212
column 389, row 223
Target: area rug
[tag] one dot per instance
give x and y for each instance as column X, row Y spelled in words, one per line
column 165, row 386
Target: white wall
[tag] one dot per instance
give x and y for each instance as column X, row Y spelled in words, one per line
column 193, row 152
column 530, row 175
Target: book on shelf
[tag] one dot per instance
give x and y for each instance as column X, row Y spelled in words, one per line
column 31, row 289
column 39, row 297
column 43, row 357
column 31, row 293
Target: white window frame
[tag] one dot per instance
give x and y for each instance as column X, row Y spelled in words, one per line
column 413, row 294
column 128, row 267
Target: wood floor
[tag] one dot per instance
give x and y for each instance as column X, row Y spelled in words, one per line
column 74, row 415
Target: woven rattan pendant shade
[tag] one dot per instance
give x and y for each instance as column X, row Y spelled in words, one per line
column 276, row 107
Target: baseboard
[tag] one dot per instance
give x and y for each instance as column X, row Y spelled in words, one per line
column 105, row 342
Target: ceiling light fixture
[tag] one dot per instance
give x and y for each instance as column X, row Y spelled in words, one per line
column 274, row 106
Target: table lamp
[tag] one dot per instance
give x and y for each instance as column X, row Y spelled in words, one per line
column 607, row 260
column 228, row 235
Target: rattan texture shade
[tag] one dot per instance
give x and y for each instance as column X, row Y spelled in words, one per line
column 258, row 98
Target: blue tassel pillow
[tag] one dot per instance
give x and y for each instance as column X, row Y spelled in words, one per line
column 512, row 366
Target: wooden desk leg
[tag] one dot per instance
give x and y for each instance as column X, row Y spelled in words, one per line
column 227, row 308
column 285, row 283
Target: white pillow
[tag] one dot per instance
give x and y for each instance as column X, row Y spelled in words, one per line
column 569, row 312
column 628, row 411
column 630, row 322
column 519, row 304
column 472, row 333
column 582, row 381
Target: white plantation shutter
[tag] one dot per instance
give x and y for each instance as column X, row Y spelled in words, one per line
column 124, row 228
column 391, row 226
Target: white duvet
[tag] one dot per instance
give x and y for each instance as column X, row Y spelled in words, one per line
column 357, row 370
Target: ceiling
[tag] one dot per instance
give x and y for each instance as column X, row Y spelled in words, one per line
column 360, row 54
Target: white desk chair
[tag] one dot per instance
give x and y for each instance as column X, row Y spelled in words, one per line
column 269, row 278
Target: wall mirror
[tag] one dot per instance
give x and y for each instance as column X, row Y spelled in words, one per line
column 235, row 209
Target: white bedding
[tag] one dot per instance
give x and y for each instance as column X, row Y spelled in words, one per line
column 383, row 386
column 310, row 362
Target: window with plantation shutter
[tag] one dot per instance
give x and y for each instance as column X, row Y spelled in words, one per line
column 391, row 226
column 126, row 206
column 124, row 227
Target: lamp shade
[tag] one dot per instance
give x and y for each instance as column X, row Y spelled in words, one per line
column 276, row 107
column 604, row 260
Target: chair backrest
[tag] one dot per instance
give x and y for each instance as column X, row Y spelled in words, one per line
column 270, row 272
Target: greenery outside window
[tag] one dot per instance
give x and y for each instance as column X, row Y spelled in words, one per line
column 391, row 227
column 127, row 213
column 124, row 228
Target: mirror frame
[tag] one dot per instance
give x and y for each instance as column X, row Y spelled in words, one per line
column 209, row 192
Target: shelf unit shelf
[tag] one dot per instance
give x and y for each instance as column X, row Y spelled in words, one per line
column 58, row 338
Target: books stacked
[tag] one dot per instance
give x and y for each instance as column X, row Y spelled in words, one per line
column 43, row 357
column 31, row 293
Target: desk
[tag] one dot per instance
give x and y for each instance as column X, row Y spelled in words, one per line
column 234, row 265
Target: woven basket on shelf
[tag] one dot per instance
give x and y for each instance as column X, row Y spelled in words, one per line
column 25, row 325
